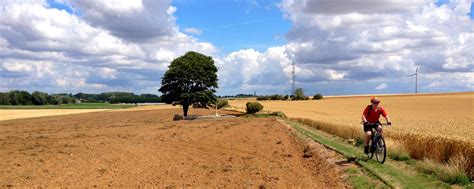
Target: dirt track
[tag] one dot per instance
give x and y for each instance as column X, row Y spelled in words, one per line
column 130, row 148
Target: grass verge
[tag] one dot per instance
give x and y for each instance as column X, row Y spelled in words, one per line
column 391, row 173
column 361, row 179
column 404, row 145
column 448, row 173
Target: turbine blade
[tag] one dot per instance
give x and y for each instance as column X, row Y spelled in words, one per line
column 411, row 75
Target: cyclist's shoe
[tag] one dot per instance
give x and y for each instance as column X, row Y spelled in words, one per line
column 373, row 148
column 366, row 149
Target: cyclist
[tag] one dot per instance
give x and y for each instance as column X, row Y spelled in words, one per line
column 370, row 118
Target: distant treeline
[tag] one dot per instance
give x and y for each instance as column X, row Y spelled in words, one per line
column 17, row 97
column 118, row 97
column 36, row 98
column 299, row 95
column 237, row 96
column 274, row 97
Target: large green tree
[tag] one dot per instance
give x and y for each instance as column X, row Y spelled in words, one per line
column 191, row 80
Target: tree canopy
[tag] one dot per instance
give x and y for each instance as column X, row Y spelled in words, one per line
column 190, row 80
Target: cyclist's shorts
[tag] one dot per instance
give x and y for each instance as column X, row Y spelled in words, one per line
column 369, row 126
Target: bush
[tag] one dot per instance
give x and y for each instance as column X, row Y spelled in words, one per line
column 278, row 114
column 299, row 95
column 262, row 98
column 253, row 107
column 276, row 97
column 222, row 103
column 317, row 96
column 273, row 97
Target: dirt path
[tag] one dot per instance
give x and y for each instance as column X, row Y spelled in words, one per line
column 146, row 148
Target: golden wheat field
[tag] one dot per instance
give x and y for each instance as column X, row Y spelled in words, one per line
column 7, row 114
column 441, row 115
column 436, row 126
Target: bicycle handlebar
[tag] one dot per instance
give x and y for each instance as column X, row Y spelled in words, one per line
column 379, row 123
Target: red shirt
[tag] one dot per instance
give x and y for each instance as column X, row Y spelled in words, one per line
column 374, row 115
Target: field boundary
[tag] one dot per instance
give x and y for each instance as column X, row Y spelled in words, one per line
column 67, row 106
column 399, row 95
column 447, row 147
column 18, row 114
column 391, row 173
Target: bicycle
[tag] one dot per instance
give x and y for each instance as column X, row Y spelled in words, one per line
column 377, row 145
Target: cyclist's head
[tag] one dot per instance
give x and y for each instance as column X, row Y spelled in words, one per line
column 374, row 100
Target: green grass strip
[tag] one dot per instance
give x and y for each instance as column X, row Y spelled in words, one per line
column 360, row 178
column 391, row 175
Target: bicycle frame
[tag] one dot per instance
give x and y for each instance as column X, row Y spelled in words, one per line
column 377, row 131
column 374, row 140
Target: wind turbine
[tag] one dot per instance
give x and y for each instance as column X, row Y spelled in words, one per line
column 416, row 79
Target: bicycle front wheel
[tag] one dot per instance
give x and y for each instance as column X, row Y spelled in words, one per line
column 370, row 155
column 381, row 151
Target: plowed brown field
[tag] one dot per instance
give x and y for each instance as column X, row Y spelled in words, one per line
column 143, row 148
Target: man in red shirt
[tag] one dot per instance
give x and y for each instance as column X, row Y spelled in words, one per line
column 370, row 117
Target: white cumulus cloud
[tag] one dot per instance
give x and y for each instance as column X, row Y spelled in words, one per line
column 194, row 31
column 381, row 86
column 114, row 45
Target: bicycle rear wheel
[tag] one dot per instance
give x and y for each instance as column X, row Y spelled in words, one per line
column 381, row 151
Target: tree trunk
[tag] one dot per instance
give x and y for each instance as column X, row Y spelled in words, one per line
column 185, row 109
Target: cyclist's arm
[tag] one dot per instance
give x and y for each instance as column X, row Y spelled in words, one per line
column 363, row 117
column 385, row 115
column 387, row 118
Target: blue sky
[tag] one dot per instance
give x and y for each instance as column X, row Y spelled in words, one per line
column 339, row 47
column 236, row 24
column 472, row 10
column 59, row 5
column 240, row 24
